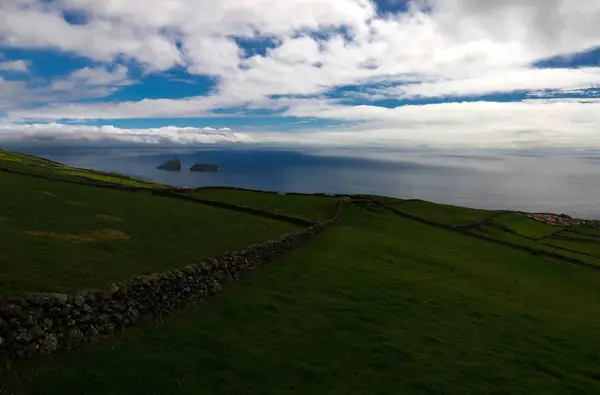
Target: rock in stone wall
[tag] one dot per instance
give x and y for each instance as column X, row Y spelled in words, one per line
column 45, row 322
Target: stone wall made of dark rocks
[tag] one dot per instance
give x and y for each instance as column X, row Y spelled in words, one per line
column 488, row 220
column 46, row 322
column 237, row 207
column 226, row 188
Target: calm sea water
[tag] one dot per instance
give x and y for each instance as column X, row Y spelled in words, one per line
column 549, row 181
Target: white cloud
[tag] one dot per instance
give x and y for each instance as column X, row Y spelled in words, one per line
column 457, row 48
column 147, row 108
column 149, row 33
column 88, row 82
column 583, row 92
column 564, row 100
column 84, row 133
column 479, row 124
column 14, row 65
column 536, row 123
column 544, row 27
column 36, row 25
column 501, row 81
column 455, row 45
column 458, row 36
column 100, row 79
column 232, row 17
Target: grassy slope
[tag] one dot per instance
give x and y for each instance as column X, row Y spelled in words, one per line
column 309, row 207
column 443, row 213
column 60, row 256
column 26, row 159
column 35, row 165
column 384, row 199
column 525, row 226
column 584, row 232
column 530, row 233
column 592, row 247
column 378, row 305
column 499, row 234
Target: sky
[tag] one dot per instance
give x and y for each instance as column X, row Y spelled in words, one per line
column 392, row 73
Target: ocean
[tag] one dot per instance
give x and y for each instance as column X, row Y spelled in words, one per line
column 559, row 181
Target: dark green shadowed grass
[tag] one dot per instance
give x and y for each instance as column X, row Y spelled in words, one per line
column 524, row 226
column 377, row 305
column 542, row 245
column 384, row 199
column 64, row 237
column 443, row 213
column 29, row 164
column 304, row 206
column 591, row 247
column 586, row 231
column 581, row 233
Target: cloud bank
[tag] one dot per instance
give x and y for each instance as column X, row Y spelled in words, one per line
column 535, row 123
column 319, row 59
column 57, row 133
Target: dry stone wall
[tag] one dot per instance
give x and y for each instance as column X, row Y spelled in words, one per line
column 46, row 322
column 237, row 207
column 487, row 220
column 226, row 188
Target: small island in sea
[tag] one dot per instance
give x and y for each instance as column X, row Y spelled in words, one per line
column 204, row 167
column 170, row 165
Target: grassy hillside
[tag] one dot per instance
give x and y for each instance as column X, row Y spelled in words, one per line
column 525, row 226
column 442, row 213
column 588, row 246
column 309, row 207
column 540, row 245
column 378, row 304
column 29, row 164
column 63, row 237
column 585, row 232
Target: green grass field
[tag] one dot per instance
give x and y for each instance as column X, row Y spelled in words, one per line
column 309, row 207
column 34, row 165
column 443, row 213
column 378, row 304
column 27, row 159
column 62, row 237
column 584, row 232
column 590, row 247
column 384, row 199
column 542, row 237
column 577, row 235
column 525, row 226
column 542, row 245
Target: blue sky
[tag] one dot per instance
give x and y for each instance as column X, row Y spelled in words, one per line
column 321, row 72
